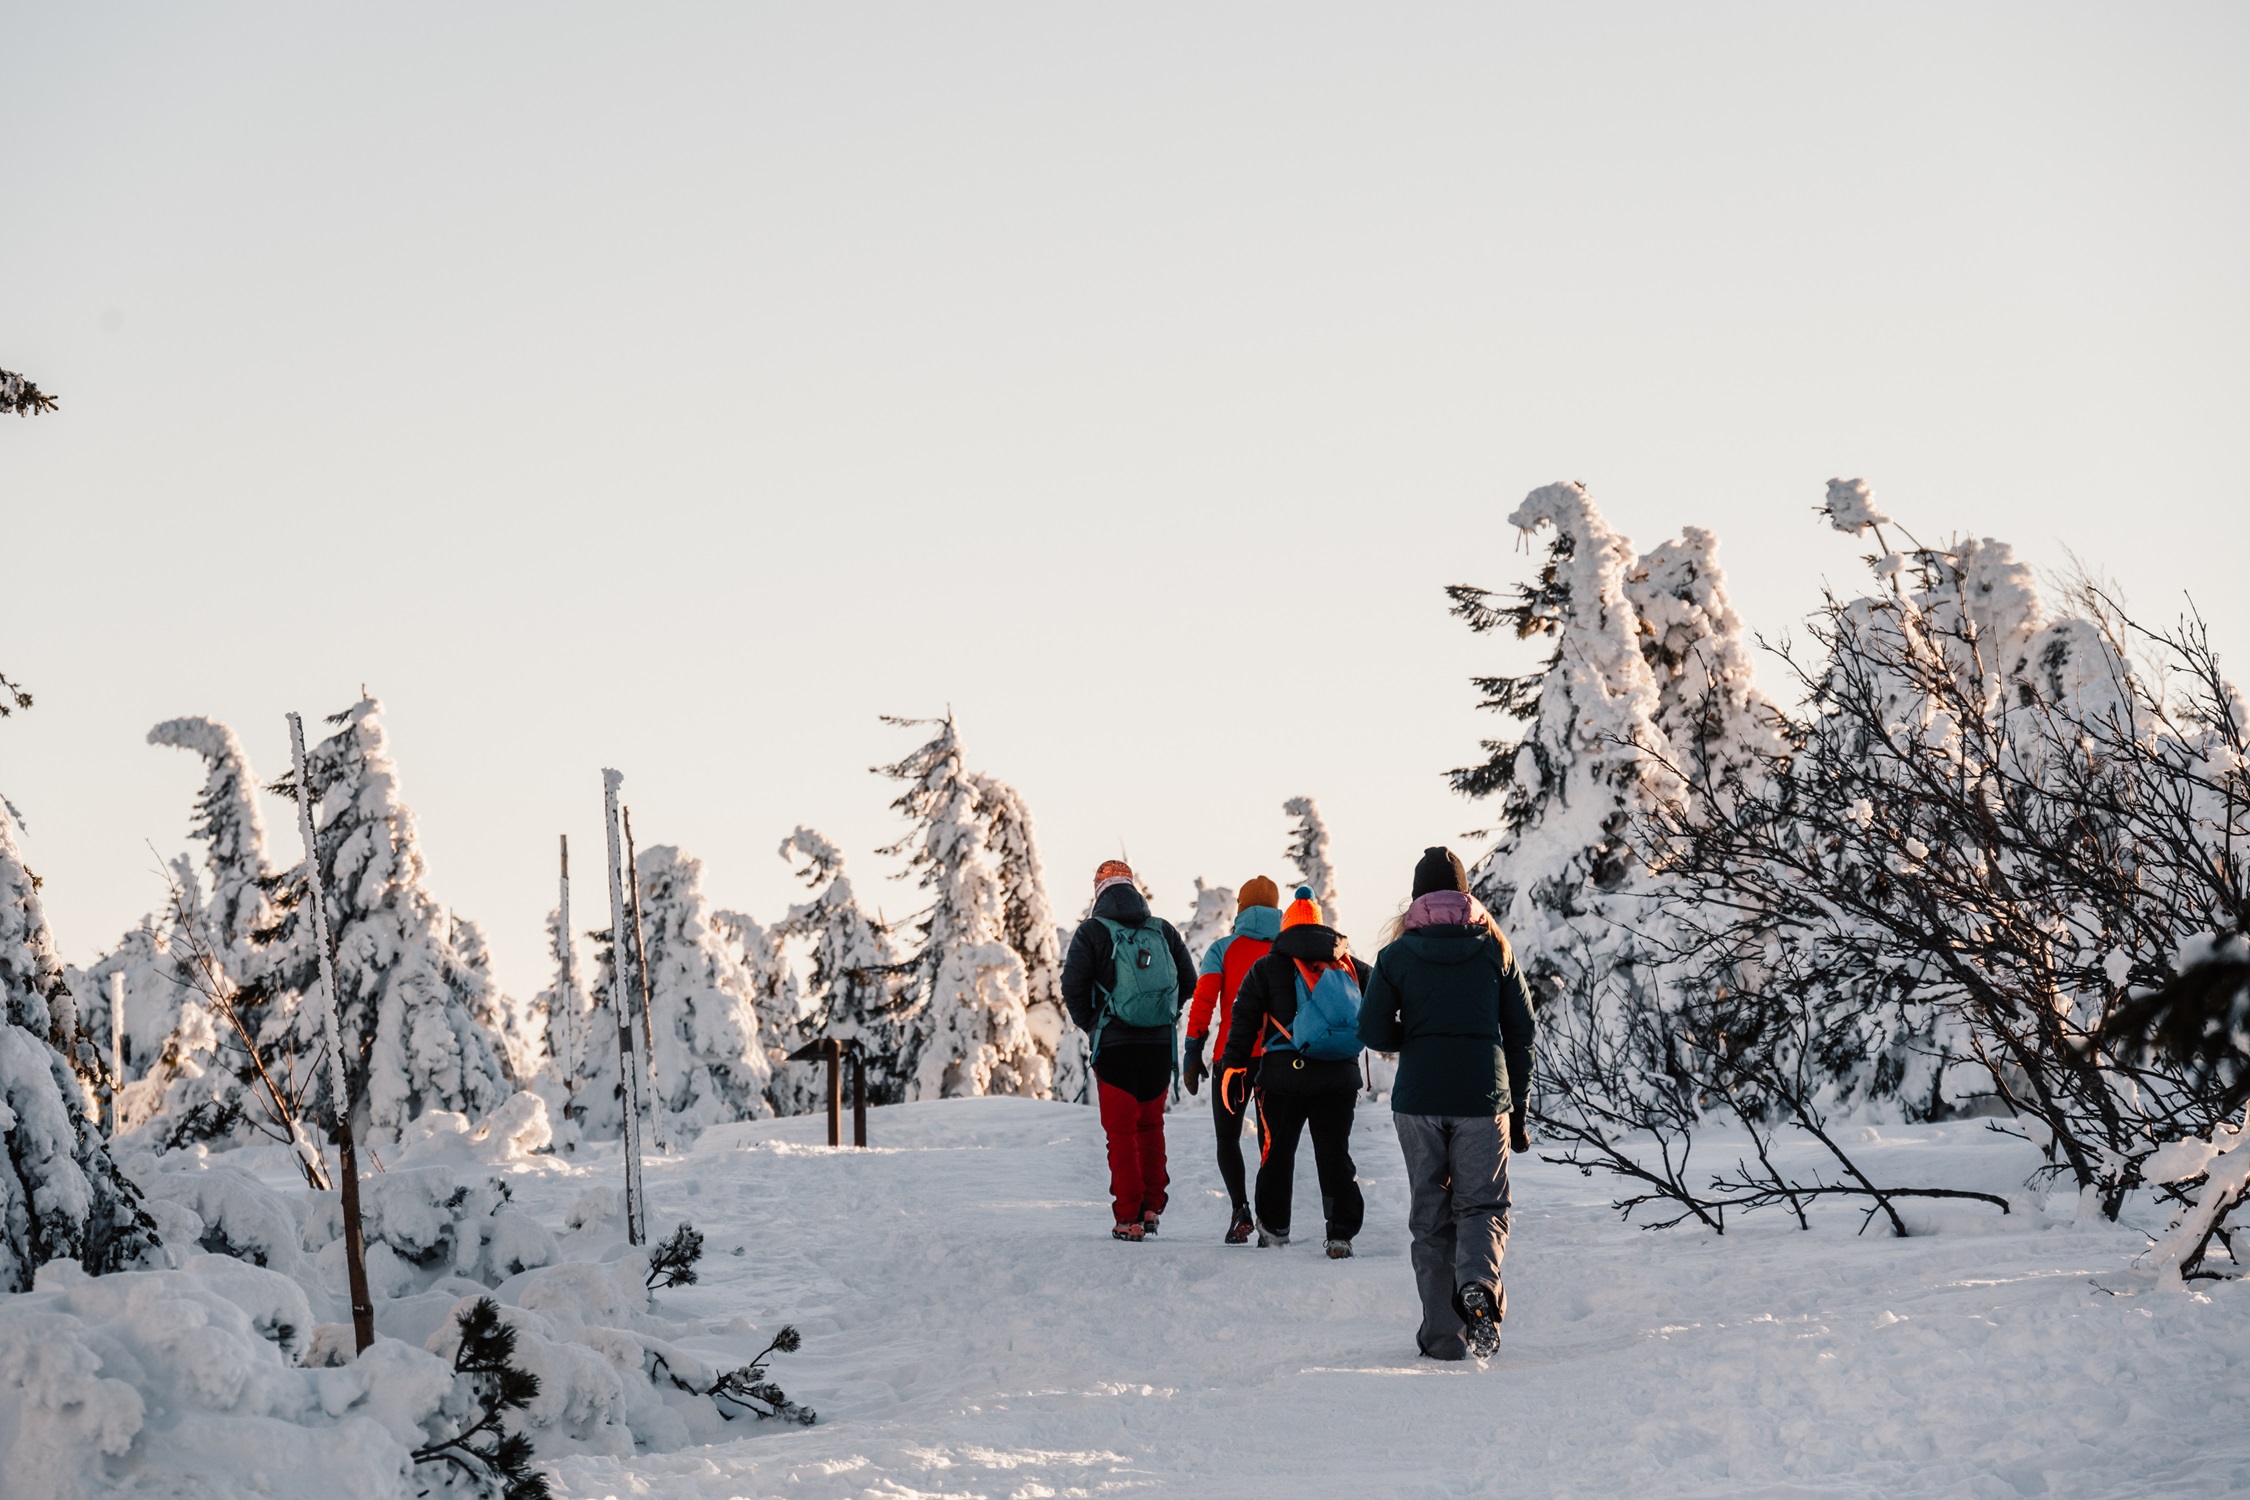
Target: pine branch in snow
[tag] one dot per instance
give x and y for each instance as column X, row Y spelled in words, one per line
column 671, row 1262
column 484, row 1449
column 21, row 396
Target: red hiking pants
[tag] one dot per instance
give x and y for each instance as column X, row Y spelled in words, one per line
column 1135, row 1128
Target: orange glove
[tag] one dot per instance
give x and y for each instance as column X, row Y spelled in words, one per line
column 1234, row 1083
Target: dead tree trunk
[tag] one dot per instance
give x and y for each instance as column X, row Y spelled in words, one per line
column 628, row 1040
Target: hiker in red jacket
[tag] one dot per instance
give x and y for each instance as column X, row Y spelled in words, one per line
column 1257, row 922
column 1124, row 980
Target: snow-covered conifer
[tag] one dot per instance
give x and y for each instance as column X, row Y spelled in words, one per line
column 1027, row 924
column 1308, row 851
column 777, row 995
column 61, row 1196
column 233, row 834
column 565, row 1023
column 853, row 985
column 1211, row 919
column 410, row 1000
column 966, row 1031
column 518, row 1027
column 710, row 1065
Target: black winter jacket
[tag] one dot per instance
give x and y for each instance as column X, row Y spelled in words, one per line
column 1268, row 995
column 1091, row 964
column 1451, row 1003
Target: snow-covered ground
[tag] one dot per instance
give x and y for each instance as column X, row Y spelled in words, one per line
column 971, row 1330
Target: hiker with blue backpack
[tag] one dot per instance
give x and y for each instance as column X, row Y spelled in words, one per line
column 1302, row 1001
column 1124, row 981
column 1447, row 997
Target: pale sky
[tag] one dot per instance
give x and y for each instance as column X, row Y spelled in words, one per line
column 679, row 388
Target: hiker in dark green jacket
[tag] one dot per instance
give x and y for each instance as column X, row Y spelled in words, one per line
column 1447, row 998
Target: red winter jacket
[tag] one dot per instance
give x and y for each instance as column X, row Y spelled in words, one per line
column 1224, row 965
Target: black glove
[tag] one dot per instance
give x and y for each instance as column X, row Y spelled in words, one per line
column 1192, row 1071
column 1519, row 1128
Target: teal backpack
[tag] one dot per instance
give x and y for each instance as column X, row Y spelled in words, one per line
column 1145, row 988
column 1327, row 1027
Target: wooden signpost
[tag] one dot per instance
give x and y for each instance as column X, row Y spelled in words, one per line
column 835, row 1052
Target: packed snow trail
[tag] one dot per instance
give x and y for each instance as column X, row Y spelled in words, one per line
column 971, row 1330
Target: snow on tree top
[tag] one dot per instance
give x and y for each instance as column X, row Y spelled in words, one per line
column 1851, row 507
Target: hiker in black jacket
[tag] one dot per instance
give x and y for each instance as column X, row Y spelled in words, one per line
column 1294, row 1091
column 1448, row 999
column 1133, row 1063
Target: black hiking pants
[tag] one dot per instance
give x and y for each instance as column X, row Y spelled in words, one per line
column 1228, row 1122
column 1283, row 1116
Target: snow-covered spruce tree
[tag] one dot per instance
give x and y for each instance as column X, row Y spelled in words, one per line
column 565, row 1024
column 852, row 990
column 233, row 835
column 1211, row 918
column 710, row 1065
column 229, row 1010
column 61, row 1197
column 774, row 991
column 1644, row 707
column 518, row 1026
column 1308, row 853
column 1027, row 924
column 409, row 1000
column 601, row 1083
column 152, row 962
column 965, row 1031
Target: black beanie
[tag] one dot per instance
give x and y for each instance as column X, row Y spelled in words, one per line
column 1439, row 870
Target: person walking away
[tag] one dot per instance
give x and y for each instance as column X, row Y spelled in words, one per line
column 1302, row 1002
column 1257, row 922
column 1124, row 981
column 1448, row 998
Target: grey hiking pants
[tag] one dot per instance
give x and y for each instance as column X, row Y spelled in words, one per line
column 1457, row 1176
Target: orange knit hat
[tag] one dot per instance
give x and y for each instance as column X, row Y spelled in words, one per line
column 1112, row 869
column 1256, row 891
column 1302, row 910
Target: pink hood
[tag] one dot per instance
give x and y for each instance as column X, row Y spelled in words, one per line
column 1447, row 908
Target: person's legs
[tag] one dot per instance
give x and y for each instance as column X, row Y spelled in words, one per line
column 1422, row 1140
column 1121, row 1124
column 1330, row 1119
column 1281, row 1119
column 1478, row 1160
column 1228, row 1123
column 1155, row 1181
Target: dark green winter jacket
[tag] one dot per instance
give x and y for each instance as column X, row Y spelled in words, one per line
column 1451, row 1003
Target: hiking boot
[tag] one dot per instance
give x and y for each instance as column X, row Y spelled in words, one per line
column 1148, row 1223
column 1133, row 1232
column 1339, row 1249
column 1239, row 1232
column 1268, row 1240
column 1482, row 1316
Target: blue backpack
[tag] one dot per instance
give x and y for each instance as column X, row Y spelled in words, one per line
column 1327, row 1017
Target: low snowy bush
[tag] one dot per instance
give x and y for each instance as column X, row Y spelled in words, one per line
column 425, row 1223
